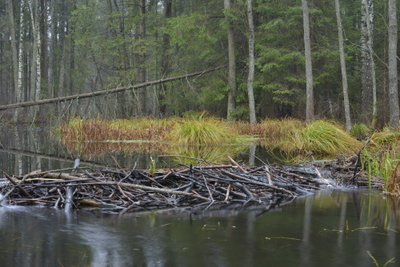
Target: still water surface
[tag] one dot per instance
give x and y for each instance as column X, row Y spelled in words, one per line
column 332, row 228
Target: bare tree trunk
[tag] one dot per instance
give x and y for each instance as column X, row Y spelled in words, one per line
column 343, row 67
column 62, row 47
column 250, row 79
column 13, row 49
column 368, row 68
column 51, row 41
column 392, row 58
column 166, row 41
column 165, row 64
column 231, row 63
column 142, row 60
column 35, row 64
column 19, row 93
column 309, row 74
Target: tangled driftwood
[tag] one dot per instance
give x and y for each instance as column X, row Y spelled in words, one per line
column 119, row 191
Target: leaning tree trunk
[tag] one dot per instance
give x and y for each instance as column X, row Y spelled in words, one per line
column 343, row 67
column 392, row 58
column 250, row 79
column 231, row 63
column 309, row 74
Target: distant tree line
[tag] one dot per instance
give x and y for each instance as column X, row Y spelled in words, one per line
column 302, row 58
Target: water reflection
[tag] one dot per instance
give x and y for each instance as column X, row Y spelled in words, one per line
column 25, row 149
column 328, row 229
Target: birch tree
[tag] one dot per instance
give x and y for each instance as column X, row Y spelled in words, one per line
column 309, row 74
column 231, row 62
column 51, row 49
column 10, row 11
column 19, row 92
column 35, row 63
column 250, row 79
column 368, row 76
column 392, row 58
column 343, row 67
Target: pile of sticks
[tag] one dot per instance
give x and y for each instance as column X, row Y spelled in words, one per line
column 119, row 191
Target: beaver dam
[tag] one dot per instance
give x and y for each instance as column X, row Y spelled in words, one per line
column 198, row 187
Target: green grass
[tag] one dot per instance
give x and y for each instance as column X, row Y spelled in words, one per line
column 205, row 132
column 360, row 131
column 320, row 138
column 381, row 158
column 327, row 138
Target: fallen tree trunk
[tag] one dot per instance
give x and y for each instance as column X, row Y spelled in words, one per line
column 105, row 92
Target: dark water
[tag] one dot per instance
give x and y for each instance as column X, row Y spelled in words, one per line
column 328, row 229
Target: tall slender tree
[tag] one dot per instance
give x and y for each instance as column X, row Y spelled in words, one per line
column 142, row 73
column 62, row 29
column 250, row 79
column 35, row 62
column 10, row 11
column 231, row 62
column 343, row 67
column 368, row 74
column 309, row 72
column 392, row 58
column 51, row 49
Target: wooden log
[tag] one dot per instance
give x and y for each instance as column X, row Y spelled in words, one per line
column 106, row 91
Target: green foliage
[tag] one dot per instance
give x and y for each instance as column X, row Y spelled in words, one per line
column 326, row 138
column 381, row 158
column 204, row 132
column 360, row 131
column 320, row 138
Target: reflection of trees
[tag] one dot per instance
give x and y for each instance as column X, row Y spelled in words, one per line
column 46, row 237
column 305, row 246
column 106, row 247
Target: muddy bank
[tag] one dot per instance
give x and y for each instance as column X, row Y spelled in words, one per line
column 196, row 187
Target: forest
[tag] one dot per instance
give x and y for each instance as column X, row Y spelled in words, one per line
column 304, row 59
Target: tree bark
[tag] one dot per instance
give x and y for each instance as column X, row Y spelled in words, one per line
column 62, row 47
column 35, row 63
column 19, row 92
column 343, row 67
column 166, row 42
column 106, row 91
column 10, row 10
column 250, row 79
column 231, row 63
column 392, row 58
column 51, row 44
column 165, row 64
column 309, row 74
column 369, row 101
column 145, row 97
